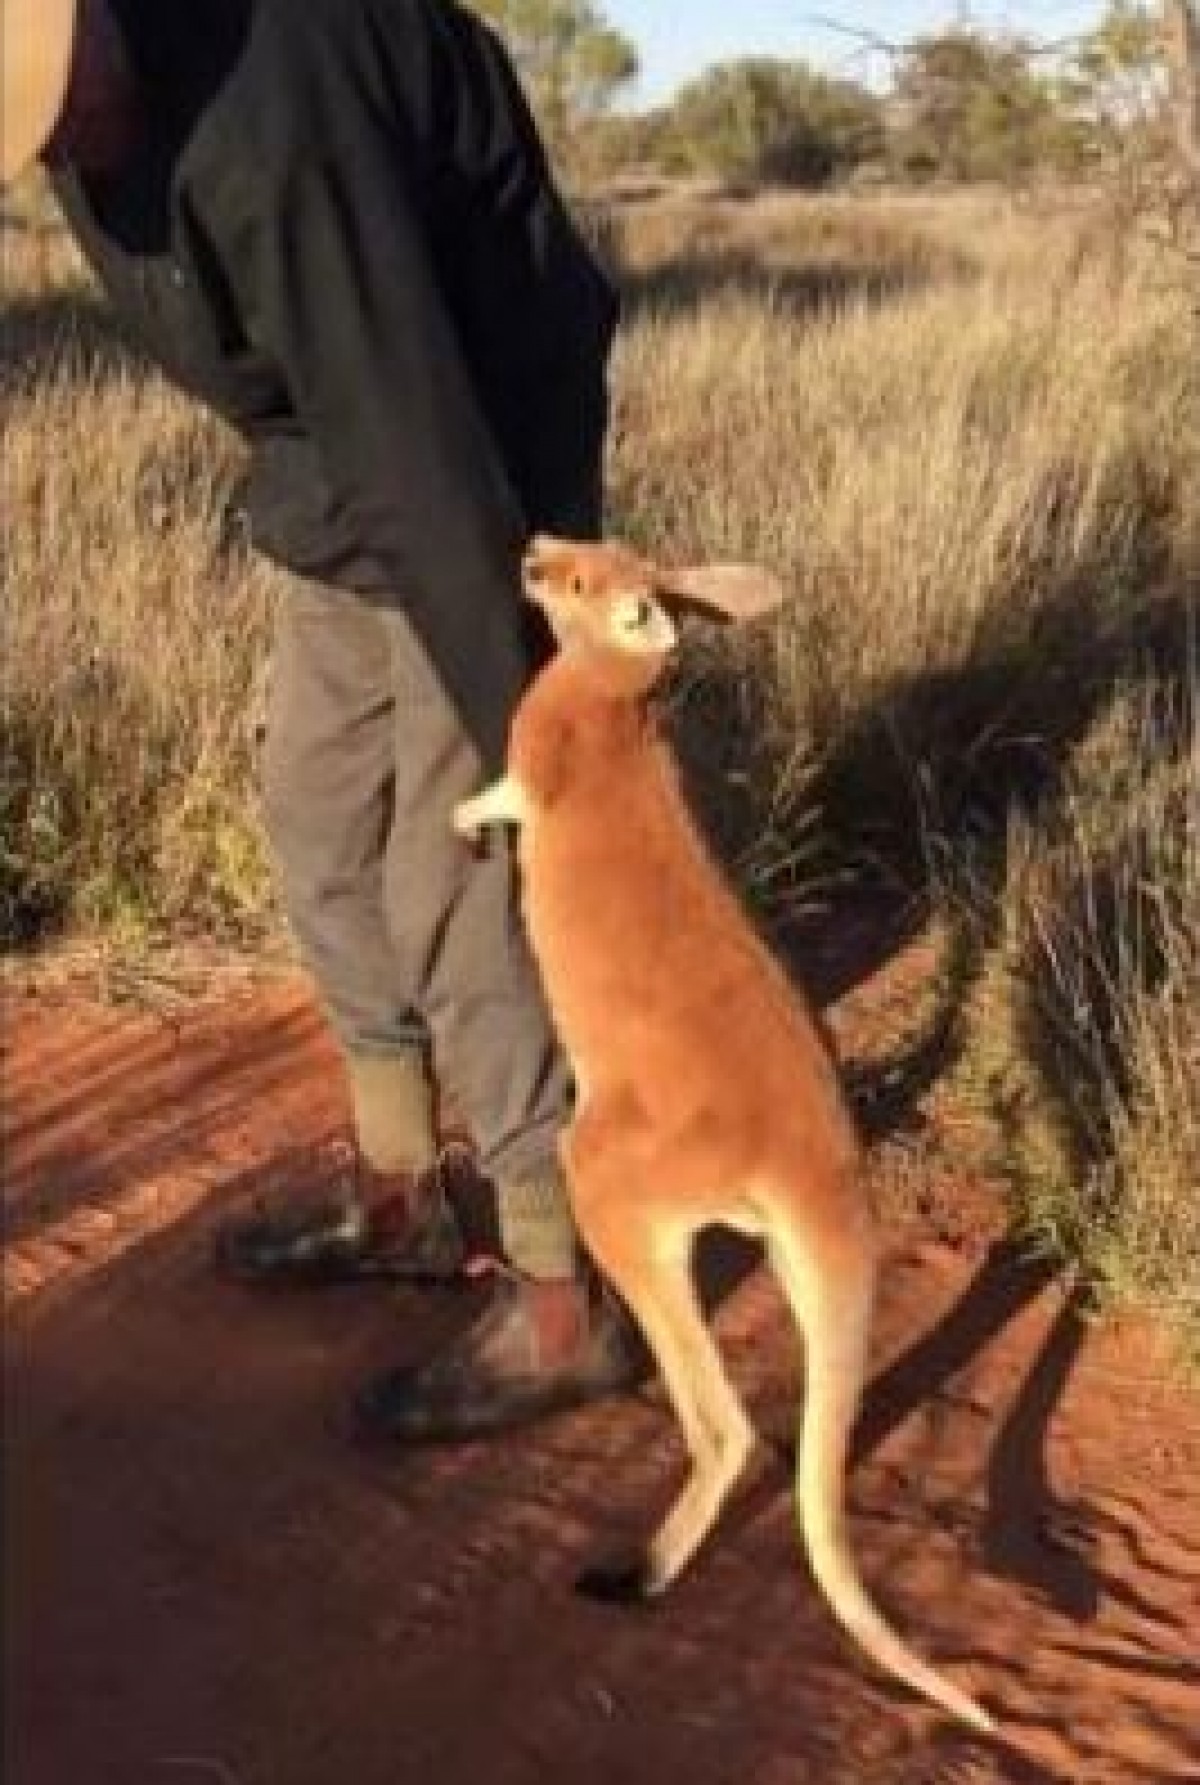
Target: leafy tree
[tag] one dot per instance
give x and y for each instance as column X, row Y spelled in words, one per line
column 626, row 142
column 1136, row 82
column 970, row 106
column 1182, row 40
column 1121, row 62
column 767, row 119
column 572, row 61
column 1115, row 81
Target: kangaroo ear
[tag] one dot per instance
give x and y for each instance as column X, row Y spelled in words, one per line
column 736, row 591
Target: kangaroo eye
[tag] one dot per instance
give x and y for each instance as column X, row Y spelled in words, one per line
column 638, row 623
column 577, row 584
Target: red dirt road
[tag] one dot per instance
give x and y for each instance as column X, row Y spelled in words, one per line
column 208, row 1585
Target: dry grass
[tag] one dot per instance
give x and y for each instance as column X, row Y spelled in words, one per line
column 982, row 476
column 968, row 433
column 1083, row 1017
column 132, row 633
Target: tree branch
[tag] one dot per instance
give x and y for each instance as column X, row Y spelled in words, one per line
column 1182, row 37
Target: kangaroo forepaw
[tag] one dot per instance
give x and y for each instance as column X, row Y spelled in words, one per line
column 467, row 822
column 502, row 803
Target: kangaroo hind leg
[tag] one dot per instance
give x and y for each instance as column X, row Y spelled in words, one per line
column 649, row 1263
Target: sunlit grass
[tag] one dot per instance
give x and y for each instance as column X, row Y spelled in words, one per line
column 968, row 433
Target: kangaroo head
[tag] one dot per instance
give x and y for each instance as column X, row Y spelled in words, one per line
column 607, row 597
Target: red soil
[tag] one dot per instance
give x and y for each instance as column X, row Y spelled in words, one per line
column 208, row 1584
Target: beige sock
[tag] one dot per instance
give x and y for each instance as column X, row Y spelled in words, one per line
column 392, row 1099
column 537, row 1229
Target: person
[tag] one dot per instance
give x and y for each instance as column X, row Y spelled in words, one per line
column 334, row 223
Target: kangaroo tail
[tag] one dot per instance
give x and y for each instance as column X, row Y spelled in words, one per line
column 835, row 1317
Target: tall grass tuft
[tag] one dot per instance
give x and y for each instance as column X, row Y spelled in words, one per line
column 133, row 629
column 1082, row 1032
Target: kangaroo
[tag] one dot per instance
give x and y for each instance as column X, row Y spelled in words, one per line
column 705, row 1093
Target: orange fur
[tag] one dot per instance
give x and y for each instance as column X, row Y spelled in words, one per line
column 706, row 1094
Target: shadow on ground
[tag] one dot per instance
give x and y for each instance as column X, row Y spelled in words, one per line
column 204, row 1571
column 63, row 331
column 688, row 286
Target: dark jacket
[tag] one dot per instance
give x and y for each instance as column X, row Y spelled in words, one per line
column 341, row 233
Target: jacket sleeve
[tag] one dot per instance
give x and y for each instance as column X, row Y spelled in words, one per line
column 336, row 285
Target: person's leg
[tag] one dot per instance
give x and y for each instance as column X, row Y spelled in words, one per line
column 458, row 937
column 327, row 738
column 455, row 917
column 363, row 761
column 549, row 1336
column 326, row 772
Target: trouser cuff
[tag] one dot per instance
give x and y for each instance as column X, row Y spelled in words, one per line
column 536, row 1226
column 391, row 1095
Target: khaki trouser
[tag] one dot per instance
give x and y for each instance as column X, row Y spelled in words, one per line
column 413, row 940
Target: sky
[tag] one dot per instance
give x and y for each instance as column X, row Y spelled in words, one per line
column 676, row 38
